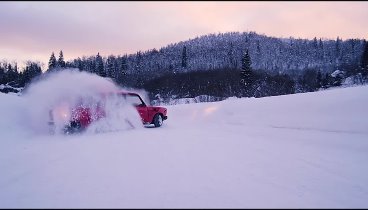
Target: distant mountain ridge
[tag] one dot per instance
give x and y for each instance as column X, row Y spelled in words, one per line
column 211, row 65
column 224, row 50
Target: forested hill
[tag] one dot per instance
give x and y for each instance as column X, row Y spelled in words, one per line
column 225, row 50
column 216, row 51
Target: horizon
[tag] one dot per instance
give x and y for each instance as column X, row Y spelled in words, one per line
column 158, row 24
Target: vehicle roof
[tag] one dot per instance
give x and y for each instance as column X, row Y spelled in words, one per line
column 126, row 93
column 123, row 93
column 119, row 92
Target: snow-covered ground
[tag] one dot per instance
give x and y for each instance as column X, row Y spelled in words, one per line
column 305, row 150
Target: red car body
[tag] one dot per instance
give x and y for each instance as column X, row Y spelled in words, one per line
column 81, row 117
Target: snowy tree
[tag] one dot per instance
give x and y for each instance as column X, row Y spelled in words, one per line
column 78, row 64
column 52, row 62
column 100, row 66
column 364, row 60
column 184, row 58
column 124, row 65
column 246, row 71
column 31, row 71
column 319, row 80
column 61, row 62
column 13, row 73
column 246, row 74
column 231, row 56
column 338, row 49
column 315, row 43
column 110, row 66
column 310, row 80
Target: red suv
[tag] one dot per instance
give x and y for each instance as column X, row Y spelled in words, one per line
column 82, row 116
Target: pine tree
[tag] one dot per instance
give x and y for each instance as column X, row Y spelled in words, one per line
column 123, row 68
column 52, row 62
column 91, row 65
column 184, row 58
column 61, row 62
column 364, row 60
column 232, row 62
column 338, row 49
column 79, row 64
column 31, row 71
column 100, row 66
column 245, row 73
column 319, row 80
column 320, row 43
column 315, row 43
column 326, row 81
column 2, row 75
column 138, row 63
column 110, row 66
column 258, row 47
column 124, row 65
column 116, row 69
column 12, row 73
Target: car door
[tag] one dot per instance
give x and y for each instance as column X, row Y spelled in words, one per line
column 143, row 112
column 139, row 104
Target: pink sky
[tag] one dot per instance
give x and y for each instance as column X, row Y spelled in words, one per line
column 32, row 30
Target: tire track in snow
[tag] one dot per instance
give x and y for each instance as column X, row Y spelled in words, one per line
column 319, row 129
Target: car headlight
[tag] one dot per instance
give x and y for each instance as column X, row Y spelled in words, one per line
column 62, row 113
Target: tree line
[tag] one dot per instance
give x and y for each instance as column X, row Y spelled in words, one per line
column 249, row 75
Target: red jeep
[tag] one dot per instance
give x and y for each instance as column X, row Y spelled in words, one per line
column 82, row 116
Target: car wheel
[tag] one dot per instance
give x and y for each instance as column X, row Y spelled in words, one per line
column 72, row 128
column 157, row 120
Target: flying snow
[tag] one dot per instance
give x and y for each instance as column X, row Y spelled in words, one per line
column 61, row 91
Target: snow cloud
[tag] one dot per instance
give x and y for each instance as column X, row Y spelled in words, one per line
column 61, row 91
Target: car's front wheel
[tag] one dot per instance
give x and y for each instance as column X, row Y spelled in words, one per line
column 72, row 128
column 157, row 120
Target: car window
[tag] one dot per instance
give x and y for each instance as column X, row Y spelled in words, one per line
column 133, row 99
